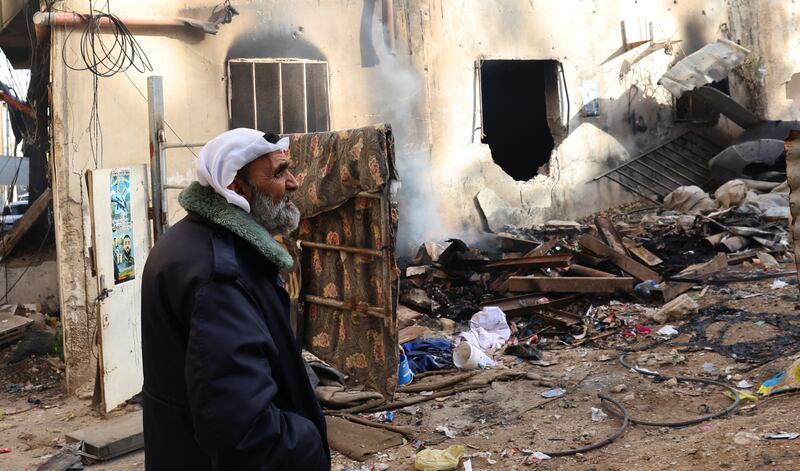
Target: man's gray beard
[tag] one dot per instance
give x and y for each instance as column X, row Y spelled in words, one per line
column 280, row 218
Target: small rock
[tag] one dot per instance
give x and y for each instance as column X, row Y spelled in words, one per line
column 671, row 382
column 448, row 325
column 619, row 388
column 629, row 397
column 745, row 438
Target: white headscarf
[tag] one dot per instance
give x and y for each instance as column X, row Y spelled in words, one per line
column 226, row 154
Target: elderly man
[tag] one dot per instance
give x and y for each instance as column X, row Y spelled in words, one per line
column 225, row 387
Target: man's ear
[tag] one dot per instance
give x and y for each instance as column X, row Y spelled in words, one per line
column 238, row 187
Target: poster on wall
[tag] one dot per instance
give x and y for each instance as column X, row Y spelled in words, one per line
column 122, row 226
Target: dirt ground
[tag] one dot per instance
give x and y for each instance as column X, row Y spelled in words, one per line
column 513, row 415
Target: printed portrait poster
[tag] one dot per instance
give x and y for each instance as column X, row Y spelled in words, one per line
column 122, row 226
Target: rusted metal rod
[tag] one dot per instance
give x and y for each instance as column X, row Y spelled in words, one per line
column 363, row 308
column 341, row 248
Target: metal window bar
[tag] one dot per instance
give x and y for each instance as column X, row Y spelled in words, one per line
column 279, row 62
column 679, row 161
column 158, row 148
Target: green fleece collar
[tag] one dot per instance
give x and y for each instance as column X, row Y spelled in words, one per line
column 204, row 201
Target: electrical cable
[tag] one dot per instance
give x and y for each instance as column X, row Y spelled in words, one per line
column 104, row 60
column 626, row 421
column 684, row 423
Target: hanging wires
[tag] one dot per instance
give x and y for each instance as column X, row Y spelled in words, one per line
column 108, row 57
column 104, row 55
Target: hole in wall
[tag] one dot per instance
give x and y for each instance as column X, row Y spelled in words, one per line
column 520, row 102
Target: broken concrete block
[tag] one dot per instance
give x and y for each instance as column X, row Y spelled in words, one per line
column 416, row 298
column 679, row 308
column 111, row 438
column 498, row 212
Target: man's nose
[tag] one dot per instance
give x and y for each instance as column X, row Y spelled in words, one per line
column 291, row 183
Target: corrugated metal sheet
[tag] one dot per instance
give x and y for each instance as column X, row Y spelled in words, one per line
column 711, row 63
column 657, row 172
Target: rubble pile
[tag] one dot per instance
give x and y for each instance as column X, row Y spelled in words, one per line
column 556, row 280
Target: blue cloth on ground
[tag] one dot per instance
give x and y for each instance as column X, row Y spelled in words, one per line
column 429, row 355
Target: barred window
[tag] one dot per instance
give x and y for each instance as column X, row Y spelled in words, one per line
column 282, row 95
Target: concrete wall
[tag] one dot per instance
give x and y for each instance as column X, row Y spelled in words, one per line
column 31, row 281
column 427, row 91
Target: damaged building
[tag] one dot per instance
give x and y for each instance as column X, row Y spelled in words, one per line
column 487, row 116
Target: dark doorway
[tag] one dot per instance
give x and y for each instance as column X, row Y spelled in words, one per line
column 516, row 125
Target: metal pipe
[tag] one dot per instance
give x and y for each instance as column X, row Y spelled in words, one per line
column 155, row 108
column 362, row 308
column 63, row 18
column 180, row 145
column 388, row 23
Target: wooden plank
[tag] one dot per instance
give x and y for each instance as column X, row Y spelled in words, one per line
column 542, row 261
column 580, row 270
column 515, row 244
column 674, row 288
column 543, row 284
column 627, row 264
column 412, row 332
column 704, row 270
column 111, row 438
column 24, row 223
column 543, row 248
column 642, row 253
column 518, row 303
column 12, row 327
column 610, row 234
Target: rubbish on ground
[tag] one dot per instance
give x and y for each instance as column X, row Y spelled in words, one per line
column 488, row 329
column 404, row 374
column 448, row 432
column 470, row 357
column 5, row 450
column 744, row 384
column 439, row 460
column 745, row 438
column 598, row 415
column 429, row 354
column 524, row 351
column 778, row 284
column 689, row 200
column 787, row 379
column 467, row 465
column 540, row 456
column 667, row 331
column 768, row 260
column 645, row 288
column 555, row 392
column 619, row 388
column 679, row 308
column 356, row 440
column 782, row 435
